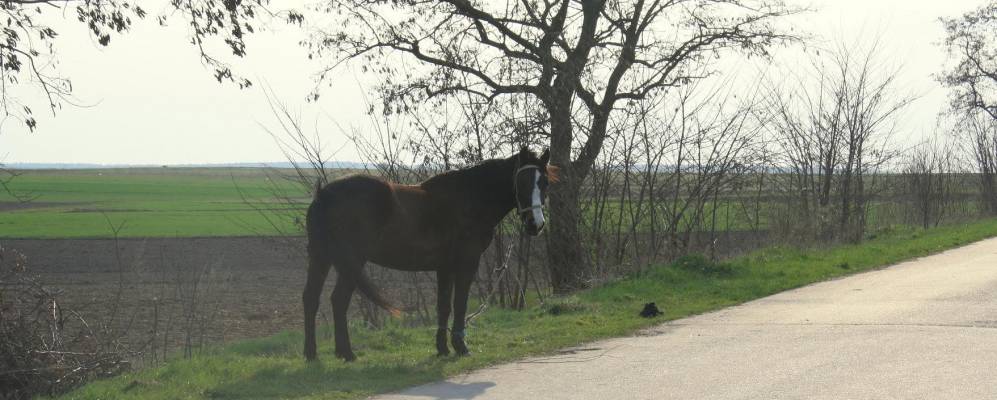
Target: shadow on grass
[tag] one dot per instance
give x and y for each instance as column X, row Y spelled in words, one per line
column 281, row 344
column 330, row 379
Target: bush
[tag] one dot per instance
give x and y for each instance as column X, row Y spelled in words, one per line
column 46, row 348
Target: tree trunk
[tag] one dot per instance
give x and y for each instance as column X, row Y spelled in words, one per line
column 567, row 265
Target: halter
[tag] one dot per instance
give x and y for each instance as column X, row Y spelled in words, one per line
column 515, row 177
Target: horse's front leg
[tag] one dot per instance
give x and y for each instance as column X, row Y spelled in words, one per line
column 444, row 295
column 462, row 289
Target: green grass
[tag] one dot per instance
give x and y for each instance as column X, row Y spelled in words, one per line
column 398, row 357
column 148, row 202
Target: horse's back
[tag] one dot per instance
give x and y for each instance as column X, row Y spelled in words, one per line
column 351, row 188
column 353, row 205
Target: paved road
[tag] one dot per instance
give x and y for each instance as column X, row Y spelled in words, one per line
column 924, row 329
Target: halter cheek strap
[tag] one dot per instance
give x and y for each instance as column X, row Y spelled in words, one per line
column 514, row 178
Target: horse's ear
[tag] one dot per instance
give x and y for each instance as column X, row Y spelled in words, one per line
column 553, row 173
column 545, row 157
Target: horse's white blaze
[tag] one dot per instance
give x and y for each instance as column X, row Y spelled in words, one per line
column 538, row 214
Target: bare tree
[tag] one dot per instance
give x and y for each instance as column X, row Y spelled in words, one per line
column 928, row 182
column 981, row 138
column 834, row 131
column 971, row 41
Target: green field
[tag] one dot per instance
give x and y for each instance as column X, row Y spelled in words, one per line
column 398, row 357
column 200, row 202
column 197, row 202
column 146, row 202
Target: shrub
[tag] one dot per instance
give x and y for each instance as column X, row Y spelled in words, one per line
column 45, row 347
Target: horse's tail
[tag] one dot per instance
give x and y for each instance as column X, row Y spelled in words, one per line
column 368, row 289
column 319, row 243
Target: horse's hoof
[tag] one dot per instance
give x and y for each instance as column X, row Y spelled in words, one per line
column 461, row 349
column 457, row 340
column 442, row 350
column 347, row 356
column 441, row 343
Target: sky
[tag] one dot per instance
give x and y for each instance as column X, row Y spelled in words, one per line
column 147, row 99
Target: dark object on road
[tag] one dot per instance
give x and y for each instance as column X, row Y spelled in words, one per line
column 442, row 225
column 650, row 311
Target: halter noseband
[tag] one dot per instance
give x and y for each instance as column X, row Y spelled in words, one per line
column 515, row 177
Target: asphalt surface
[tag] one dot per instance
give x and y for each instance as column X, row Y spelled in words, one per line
column 923, row 329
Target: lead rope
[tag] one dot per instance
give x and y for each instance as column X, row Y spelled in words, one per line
column 484, row 304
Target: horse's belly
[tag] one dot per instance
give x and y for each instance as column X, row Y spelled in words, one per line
column 408, row 256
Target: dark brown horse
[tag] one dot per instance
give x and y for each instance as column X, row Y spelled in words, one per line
column 442, row 225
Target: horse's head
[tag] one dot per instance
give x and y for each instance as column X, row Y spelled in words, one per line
column 532, row 176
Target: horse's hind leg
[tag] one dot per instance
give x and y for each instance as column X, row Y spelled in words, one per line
column 318, row 269
column 462, row 289
column 340, row 304
column 444, row 295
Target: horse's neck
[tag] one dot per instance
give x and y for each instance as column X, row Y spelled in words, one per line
column 485, row 188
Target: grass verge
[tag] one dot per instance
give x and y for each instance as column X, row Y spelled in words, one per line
column 397, row 357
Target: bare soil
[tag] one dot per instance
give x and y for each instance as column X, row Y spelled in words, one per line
column 246, row 287
column 25, row 205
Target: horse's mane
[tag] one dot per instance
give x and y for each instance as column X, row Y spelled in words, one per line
column 479, row 173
